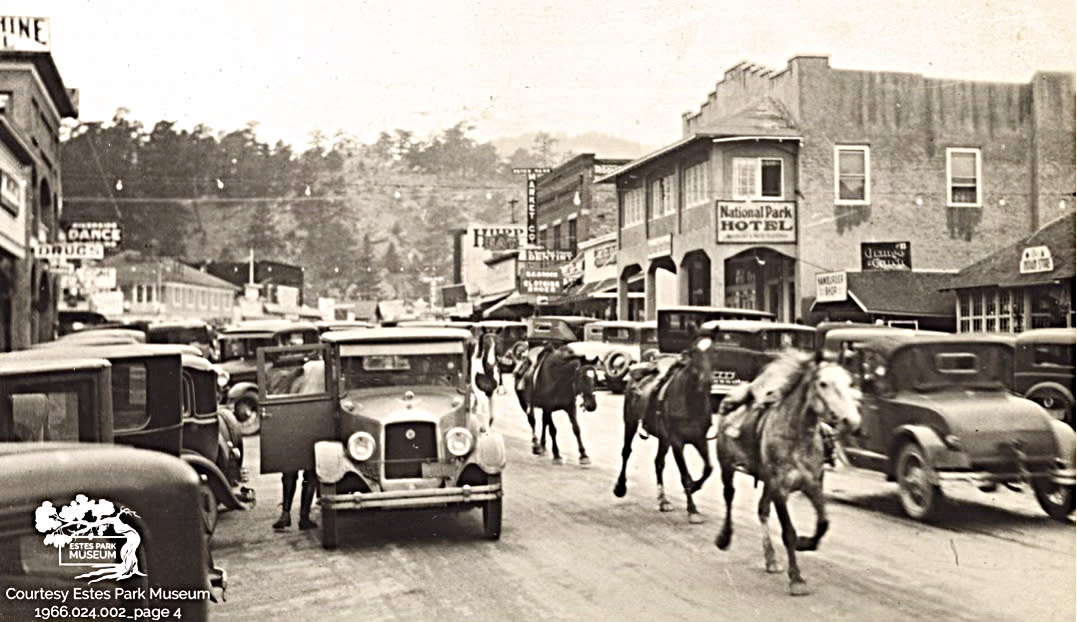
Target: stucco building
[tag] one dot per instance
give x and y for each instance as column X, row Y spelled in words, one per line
column 785, row 174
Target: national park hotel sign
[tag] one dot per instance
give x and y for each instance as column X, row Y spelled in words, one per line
column 756, row 221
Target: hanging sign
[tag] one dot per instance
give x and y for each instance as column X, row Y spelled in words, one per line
column 831, row 287
column 62, row 251
column 1036, row 259
column 885, row 256
column 546, row 256
column 532, row 199
column 540, row 281
column 108, row 234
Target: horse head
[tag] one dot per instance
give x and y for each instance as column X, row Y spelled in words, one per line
column 585, row 380
column 697, row 360
column 835, row 398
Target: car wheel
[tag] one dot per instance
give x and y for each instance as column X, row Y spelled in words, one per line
column 1055, row 402
column 919, row 497
column 246, row 412
column 491, row 512
column 329, row 518
column 1055, row 499
column 209, row 507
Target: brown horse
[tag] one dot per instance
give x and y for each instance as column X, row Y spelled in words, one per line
column 552, row 383
column 773, row 433
column 671, row 399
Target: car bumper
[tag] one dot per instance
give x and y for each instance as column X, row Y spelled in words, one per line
column 1064, row 477
column 412, row 498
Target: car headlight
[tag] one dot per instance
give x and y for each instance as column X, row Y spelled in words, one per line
column 361, row 446
column 222, row 376
column 458, row 441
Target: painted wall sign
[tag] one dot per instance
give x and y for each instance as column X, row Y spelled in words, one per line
column 740, row 221
column 606, row 254
column 660, row 247
column 1036, row 259
column 885, row 256
column 532, row 205
column 107, row 234
column 831, row 287
column 546, row 256
column 534, row 281
column 497, row 238
column 24, row 34
column 601, row 170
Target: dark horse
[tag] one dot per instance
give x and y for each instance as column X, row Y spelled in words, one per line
column 550, row 384
column 672, row 400
column 772, row 431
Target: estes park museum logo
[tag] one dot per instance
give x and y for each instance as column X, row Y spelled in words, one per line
column 92, row 534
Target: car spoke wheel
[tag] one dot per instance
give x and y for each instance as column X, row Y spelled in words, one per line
column 1055, row 499
column 246, row 412
column 209, row 507
column 491, row 512
column 329, row 517
column 919, row 497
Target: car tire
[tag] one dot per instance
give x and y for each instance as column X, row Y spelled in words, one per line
column 616, row 366
column 329, row 518
column 919, row 497
column 1056, row 499
column 1055, row 400
column 246, row 411
column 210, row 512
column 491, row 512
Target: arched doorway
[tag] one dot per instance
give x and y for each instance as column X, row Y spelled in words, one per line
column 696, row 276
column 763, row 279
column 630, row 302
column 661, row 285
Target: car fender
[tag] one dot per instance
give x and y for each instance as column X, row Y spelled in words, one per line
column 939, row 457
column 330, row 463
column 217, row 482
column 1067, row 447
column 489, row 452
column 240, row 389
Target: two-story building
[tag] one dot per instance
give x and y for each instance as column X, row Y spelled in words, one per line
column 782, row 175
column 570, row 208
column 33, row 101
column 168, row 289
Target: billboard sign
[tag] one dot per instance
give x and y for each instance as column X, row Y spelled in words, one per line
column 108, row 234
column 748, row 222
column 885, row 256
column 497, row 238
column 24, row 34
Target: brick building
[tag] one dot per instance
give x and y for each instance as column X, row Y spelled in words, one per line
column 782, row 175
column 570, row 208
column 33, row 101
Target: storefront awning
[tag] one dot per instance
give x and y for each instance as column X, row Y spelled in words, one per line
column 589, row 291
column 897, row 292
column 509, row 307
column 1003, row 268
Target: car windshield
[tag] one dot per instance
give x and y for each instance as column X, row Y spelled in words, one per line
column 366, row 366
column 198, row 334
column 620, row 334
column 781, row 339
column 44, row 413
column 233, row 348
column 934, row 367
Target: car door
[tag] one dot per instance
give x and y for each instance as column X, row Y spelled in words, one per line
column 298, row 405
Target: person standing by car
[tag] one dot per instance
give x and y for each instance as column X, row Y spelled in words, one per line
column 311, row 379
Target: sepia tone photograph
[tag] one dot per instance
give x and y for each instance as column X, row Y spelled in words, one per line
column 563, row 310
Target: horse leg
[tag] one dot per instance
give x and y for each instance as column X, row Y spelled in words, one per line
column 797, row 586
column 815, row 495
column 686, row 481
column 764, row 524
column 631, row 424
column 536, row 449
column 701, row 446
column 660, row 465
column 547, row 422
column 724, row 536
column 574, row 420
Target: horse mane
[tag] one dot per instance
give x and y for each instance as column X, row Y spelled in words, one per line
column 782, row 375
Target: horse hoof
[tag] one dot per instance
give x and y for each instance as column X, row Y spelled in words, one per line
column 584, row 461
column 665, row 506
column 799, row 588
column 722, row 540
column 558, row 460
column 620, row 489
column 695, row 518
column 806, row 544
column 773, row 567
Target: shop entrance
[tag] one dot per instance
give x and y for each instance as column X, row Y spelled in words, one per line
column 762, row 279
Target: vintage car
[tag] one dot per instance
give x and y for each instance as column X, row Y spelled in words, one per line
column 110, row 335
column 158, row 402
column 555, row 329
column 742, row 348
column 189, row 332
column 237, row 346
column 161, row 491
column 69, row 320
column 511, row 341
column 617, row 344
column 387, row 419
column 325, row 325
column 678, row 326
column 1044, row 370
column 938, row 410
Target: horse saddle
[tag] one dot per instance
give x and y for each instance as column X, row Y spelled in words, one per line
column 653, row 389
column 743, row 429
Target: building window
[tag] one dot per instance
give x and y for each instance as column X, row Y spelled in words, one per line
column 572, row 232
column 988, row 310
column 557, row 237
column 542, row 236
column 662, row 197
column 11, row 195
column 695, row 185
column 175, row 296
column 852, row 175
column 963, row 178
column 5, row 102
column 757, row 178
column 190, row 297
column 633, row 206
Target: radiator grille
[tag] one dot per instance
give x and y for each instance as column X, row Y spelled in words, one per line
column 404, row 456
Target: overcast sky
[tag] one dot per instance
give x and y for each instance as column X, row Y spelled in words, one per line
column 623, row 68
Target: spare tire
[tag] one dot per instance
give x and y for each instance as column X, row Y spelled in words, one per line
column 616, row 364
column 519, row 350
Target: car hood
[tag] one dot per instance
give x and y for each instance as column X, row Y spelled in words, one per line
column 236, row 367
column 599, row 349
column 391, row 403
column 986, row 419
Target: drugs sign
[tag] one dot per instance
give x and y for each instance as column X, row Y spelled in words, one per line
column 62, row 251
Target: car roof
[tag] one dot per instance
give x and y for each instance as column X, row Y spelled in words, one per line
column 267, row 327
column 343, row 324
column 166, row 324
column 397, row 333
column 11, row 365
column 499, row 323
column 729, row 310
column 93, row 333
column 754, row 326
column 58, row 349
column 1066, row 336
column 624, row 324
column 569, row 319
column 435, row 323
column 892, row 340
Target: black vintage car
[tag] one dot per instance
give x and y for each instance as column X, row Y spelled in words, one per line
column 1044, row 370
column 740, row 349
column 556, row 329
column 185, row 332
column 678, row 326
column 160, row 492
column 237, row 348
